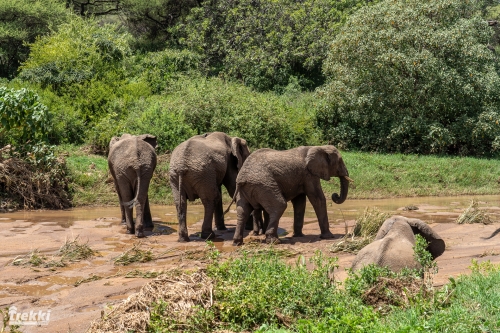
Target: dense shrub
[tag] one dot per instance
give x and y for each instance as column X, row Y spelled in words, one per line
column 80, row 51
column 266, row 44
column 416, row 76
column 21, row 21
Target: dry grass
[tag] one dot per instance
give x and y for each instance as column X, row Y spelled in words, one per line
column 32, row 188
column 135, row 254
column 91, row 278
column 363, row 233
column 37, row 259
column 181, row 293
column 396, row 291
column 474, row 215
column 73, row 250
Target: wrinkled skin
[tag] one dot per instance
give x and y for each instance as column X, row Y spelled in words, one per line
column 393, row 245
column 198, row 168
column 132, row 161
column 270, row 178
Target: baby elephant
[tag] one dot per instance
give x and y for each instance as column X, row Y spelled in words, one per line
column 393, row 245
column 131, row 161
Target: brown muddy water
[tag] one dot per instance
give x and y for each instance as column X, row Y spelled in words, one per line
column 432, row 209
column 78, row 292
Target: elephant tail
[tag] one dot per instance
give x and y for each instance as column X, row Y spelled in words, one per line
column 232, row 201
column 134, row 201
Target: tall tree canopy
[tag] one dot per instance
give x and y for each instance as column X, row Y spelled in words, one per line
column 414, row 76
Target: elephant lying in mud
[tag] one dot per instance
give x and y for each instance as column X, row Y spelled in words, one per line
column 132, row 161
column 198, row 169
column 270, row 178
column 393, row 245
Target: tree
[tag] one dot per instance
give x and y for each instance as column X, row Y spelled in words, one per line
column 266, row 44
column 21, row 21
column 416, row 76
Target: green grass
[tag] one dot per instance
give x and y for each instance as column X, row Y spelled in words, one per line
column 261, row 293
column 375, row 176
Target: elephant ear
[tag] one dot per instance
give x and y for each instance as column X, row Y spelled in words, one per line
column 239, row 149
column 436, row 244
column 151, row 139
column 113, row 140
column 318, row 163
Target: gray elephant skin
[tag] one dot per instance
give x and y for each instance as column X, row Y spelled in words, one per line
column 198, row 168
column 393, row 245
column 132, row 161
column 270, row 178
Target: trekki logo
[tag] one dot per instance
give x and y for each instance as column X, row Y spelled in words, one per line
column 28, row 318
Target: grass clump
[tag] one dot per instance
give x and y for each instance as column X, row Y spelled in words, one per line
column 91, row 278
column 363, row 233
column 73, row 250
column 37, row 259
column 474, row 215
column 135, row 254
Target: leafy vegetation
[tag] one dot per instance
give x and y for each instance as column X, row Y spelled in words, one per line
column 415, row 77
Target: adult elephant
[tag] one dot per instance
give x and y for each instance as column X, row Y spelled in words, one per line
column 270, row 178
column 393, row 245
column 132, row 161
column 198, row 169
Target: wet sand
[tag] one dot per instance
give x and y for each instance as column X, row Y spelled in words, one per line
column 74, row 307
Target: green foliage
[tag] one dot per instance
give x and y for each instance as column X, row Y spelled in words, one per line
column 25, row 120
column 415, row 76
column 80, row 51
column 264, row 120
column 266, row 44
column 21, row 21
column 152, row 21
column 423, row 256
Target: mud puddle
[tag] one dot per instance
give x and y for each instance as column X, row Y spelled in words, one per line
column 77, row 293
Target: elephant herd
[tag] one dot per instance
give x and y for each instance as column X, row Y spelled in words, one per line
column 260, row 183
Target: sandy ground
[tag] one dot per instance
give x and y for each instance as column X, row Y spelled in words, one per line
column 72, row 308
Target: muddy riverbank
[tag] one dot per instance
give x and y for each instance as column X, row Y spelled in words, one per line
column 101, row 283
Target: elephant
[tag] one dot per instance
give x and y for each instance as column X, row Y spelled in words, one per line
column 132, row 161
column 270, row 178
column 393, row 245
column 199, row 167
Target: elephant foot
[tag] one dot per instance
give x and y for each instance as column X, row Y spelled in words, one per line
column 139, row 234
column 255, row 233
column 273, row 240
column 123, row 222
column 326, row 235
column 130, row 231
column 183, row 239
column 298, row 234
column 149, row 228
column 221, row 227
column 206, row 235
column 237, row 242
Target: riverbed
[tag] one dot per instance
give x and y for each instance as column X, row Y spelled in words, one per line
column 74, row 304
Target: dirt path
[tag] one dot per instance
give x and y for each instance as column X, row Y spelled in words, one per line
column 74, row 307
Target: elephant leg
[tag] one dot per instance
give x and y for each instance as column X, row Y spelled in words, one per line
column 257, row 222
column 265, row 223
column 243, row 210
column 318, row 201
column 148, row 219
column 127, row 194
column 249, row 224
column 122, row 210
column 275, row 210
column 180, row 199
column 140, row 208
column 219, row 213
column 206, row 228
column 299, row 210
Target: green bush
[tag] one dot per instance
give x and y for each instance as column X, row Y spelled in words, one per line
column 25, row 120
column 21, row 21
column 416, row 76
column 266, row 44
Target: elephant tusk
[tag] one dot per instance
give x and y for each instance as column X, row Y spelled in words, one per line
column 349, row 179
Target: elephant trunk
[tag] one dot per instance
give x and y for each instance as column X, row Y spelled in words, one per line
column 344, row 187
